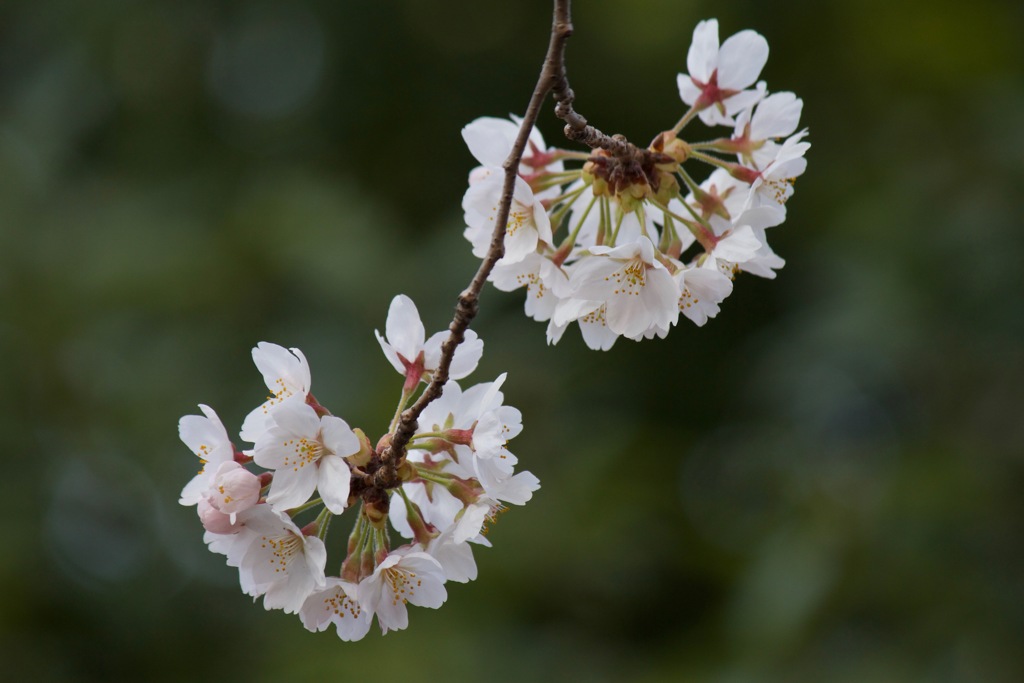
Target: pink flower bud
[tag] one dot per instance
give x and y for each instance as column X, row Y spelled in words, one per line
column 215, row 521
column 234, row 488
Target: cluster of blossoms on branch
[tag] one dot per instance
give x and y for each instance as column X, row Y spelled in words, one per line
column 622, row 245
column 456, row 476
column 626, row 242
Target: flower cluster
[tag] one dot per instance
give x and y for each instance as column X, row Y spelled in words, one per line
column 629, row 240
column 456, row 476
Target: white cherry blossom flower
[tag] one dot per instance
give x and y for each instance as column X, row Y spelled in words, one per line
column 738, row 245
column 274, row 558
column 500, row 484
column 490, row 141
column 402, row 578
column 336, row 604
column 495, row 424
column 719, row 76
column 404, row 346
column 517, row 489
column 280, row 557
column 545, row 283
column 595, row 331
column 528, row 223
column 436, row 504
column 702, row 289
column 636, row 289
column 773, row 185
column 307, row 453
column 206, row 437
column 764, row 262
column 774, row 117
column 591, row 318
column 286, row 374
column 455, row 558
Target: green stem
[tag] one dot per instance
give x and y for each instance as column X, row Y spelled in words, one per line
column 701, row 230
column 690, row 182
column 306, row 506
column 708, row 159
column 642, row 217
column 604, row 222
column 428, row 435
column 323, row 523
column 569, row 154
column 687, row 117
column 618, row 225
column 571, row 239
column 402, row 403
column 431, row 476
column 564, row 207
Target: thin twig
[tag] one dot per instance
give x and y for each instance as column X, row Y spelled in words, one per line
column 576, row 126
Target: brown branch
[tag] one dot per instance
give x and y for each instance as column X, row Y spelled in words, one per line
column 576, row 126
column 383, row 472
column 552, row 76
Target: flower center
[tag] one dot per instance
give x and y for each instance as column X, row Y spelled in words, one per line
column 341, row 605
column 282, row 550
column 303, row 452
column 403, row 584
column 630, row 279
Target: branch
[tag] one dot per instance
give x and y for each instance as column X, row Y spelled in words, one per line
column 576, row 126
column 552, row 77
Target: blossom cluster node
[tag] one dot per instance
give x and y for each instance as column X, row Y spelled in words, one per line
column 415, row 520
column 631, row 239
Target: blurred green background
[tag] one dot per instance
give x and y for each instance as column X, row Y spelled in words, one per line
column 823, row 484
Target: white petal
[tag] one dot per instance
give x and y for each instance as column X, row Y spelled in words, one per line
column 403, row 329
column 282, row 368
column 338, row 437
column 467, row 355
column 741, row 59
column 334, row 477
column 490, row 139
column 776, row 116
column 688, row 92
column 389, row 353
column 738, row 246
column 292, row 486
column 702, row 57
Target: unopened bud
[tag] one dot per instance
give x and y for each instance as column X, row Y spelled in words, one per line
column 215, row 521
column 234, row 488
column 677, row 149
column 668, row 186
column 376, row 512
column 361, row 457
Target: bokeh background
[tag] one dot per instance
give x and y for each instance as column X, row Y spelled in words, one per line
column 823, row 484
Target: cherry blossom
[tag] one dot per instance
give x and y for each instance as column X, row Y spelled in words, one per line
column 206, row 437
column 275, row 559
column 403, row 578
column 404, row 346
column 528, row 223
column 719, row 75
column 307, row 453
column 286, row 374
column 636, row 289
column 336, row 604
